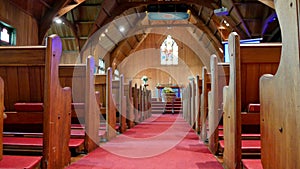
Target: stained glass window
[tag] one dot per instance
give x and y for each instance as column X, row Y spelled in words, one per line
column 169, row 52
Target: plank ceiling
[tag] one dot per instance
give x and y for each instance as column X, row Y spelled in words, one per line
column 83, row 18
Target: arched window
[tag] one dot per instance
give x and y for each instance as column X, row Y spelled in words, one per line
column 169, row 52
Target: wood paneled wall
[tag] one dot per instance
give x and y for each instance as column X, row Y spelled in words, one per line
column 26, row 26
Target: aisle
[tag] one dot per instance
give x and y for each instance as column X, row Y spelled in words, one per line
column 161, row 142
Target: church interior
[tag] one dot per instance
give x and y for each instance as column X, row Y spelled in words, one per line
column 127, row 84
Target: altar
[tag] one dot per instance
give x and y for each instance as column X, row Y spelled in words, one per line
column 176, row 89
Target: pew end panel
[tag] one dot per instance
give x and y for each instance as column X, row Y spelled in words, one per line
column 110, row 108
column 129, row 105
column 232, row 108
column 1, row 116
column 206, row 86
column 219, row 79
column 280, row 95
column 92, row 109
column 198, row 103
column 57, row 111
column 30, row 75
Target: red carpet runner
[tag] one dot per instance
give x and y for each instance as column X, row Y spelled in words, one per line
column 161, row 142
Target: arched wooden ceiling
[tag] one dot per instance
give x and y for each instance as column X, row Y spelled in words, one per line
column 83, row 18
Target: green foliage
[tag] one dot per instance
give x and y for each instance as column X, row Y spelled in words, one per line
column 167, row 90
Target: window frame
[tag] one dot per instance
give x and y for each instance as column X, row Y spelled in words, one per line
column 12, row 34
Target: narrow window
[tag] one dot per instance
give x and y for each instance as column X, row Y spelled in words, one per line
column 7, row 35
column 101, row 67
column 169, row 52
column 117, row 74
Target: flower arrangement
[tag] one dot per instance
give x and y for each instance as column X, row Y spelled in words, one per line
column 167, row 90
column 144, row 79
column 168, row 95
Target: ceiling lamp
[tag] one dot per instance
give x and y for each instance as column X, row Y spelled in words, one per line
column 222, row 11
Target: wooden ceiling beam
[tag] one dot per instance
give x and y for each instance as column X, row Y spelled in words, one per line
column 239, row 17
column 206, row 3
column 269, row 3
column 236, row 27
column 201, row 25
column 46, row 20
column 274, row 33
column 73, row 29
column 68, row 8
column 267, row 21
column 45, row 4
column 126, row 4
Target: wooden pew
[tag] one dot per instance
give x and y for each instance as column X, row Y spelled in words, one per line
column 198, row 82
column 103, row 84
column 192, row 101
column 280, row 97
column 120, row 102
column 247, row 63
column 30, row 74
column 186, row 95
column 206, row 85
column 85, row 109
column 140, row 104
column 141, row 99
column 135, row 98
column 147, row 102
column 130, row 109
column 100, row 87
column 9, row 161
column 219, row 79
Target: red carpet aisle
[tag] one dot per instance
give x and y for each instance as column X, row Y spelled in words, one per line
column 161, row 142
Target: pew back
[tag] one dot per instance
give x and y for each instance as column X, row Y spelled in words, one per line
column 247, row 64
column 30, row 74
column 85, row 109
column 198, row 103
column 256, row 60
column 219, row 79
column 206, row 85
column 280, row 96
column 130, row 108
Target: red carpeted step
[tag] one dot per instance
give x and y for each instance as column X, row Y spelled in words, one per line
column 245, row 136
column 24, row 162
column 77, row 126
column 247, row 145
column 252, row 164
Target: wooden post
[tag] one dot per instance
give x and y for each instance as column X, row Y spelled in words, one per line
column 92, row 110
column 110, row 109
